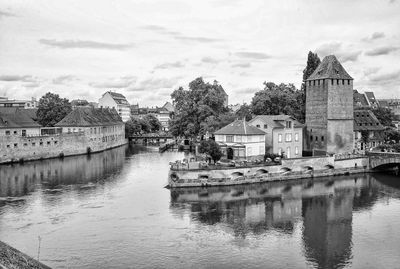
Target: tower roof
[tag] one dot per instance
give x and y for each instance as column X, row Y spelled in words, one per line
column 330, row 67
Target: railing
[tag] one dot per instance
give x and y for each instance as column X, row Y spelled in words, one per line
column 195, row 165
column 346, row 156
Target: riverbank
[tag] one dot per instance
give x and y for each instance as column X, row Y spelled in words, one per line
column 11, row 258
column 289, row 169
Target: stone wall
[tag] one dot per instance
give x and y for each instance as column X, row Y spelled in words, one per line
column 17, row 148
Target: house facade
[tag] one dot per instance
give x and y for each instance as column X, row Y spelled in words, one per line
column 283, row 134
column 98, row 125
column 17, row 122
column 368, row 131
column 240, row 140
column 118, row 102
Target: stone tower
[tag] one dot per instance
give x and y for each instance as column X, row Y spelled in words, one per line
column 329, row 109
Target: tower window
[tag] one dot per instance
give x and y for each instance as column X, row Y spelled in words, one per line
column 337, row 82
column 348, row 82
column 333, row 82
column 316, row 138
column 322, row 138
column 311, row 137
column 319, row 82
column 343, row 81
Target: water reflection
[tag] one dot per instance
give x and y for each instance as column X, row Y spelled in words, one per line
column 54, row 174
column 324, row 208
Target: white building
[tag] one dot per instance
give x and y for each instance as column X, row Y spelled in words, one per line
column 240, row 140
column 27, row 104
column 118, row 102
column 17, row 122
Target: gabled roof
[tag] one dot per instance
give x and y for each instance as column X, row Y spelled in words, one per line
column 118, row 98
column 360, row 99
column 239, row 127
column 17, row 118
column 365, row 120
column 277, row 121
column 86, row 116
column 370, row 97
column 330, row 67
column 168, row 106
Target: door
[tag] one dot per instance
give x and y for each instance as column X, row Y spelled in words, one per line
column 229, row 153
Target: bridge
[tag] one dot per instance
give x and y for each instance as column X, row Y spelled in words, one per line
column 151, row 138
column 383, row 160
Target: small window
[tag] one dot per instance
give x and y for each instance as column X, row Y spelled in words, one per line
column 322, row 138
column 258, row 125
column 7, row 132
column 265, row 126
column 41, row 143
column 296, row 137
column 333, row 82
column 15, row 132
column 25, row 144
column 48, row 143
column 348, row 82
column 342, row 81
column 279, row 138
column 311, row 138
column 296, row 151
column 55, row 142
column 33, row 144
column 316, row 138
column 337, row 82
column 289, row 124
column 8, row 146
column 15, row 145
column 229, row 138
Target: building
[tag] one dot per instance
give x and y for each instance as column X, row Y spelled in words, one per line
column 118, row 102
column 97, row 124
column 284, row 134
column 241, row 140
column 16, row 121
column 164, row 114
column 329, row 109
column 372, row 102
column 27, row 104
column 368, row 132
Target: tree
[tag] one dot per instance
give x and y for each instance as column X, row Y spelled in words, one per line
column 279, row 99
column 244, row 112
column 384, row 115
column 52, row 109
column 392, row 135
column 132, row 126
column 153, row 123
column 196, row 108
column 312, row 63
column 211, row 148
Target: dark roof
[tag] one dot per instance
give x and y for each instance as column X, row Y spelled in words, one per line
column 239, row 127
column 360, row 99
column 330, row 67
column 86, row 116
column 371, row 97
column 365, row 120
column 169, row 107
column 17, row 118
column 277, row 121
column 383, row 103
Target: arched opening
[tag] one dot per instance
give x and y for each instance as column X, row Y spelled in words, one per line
column 229, row 153
column 285, row 170
column 237, row 175
column 308, row 169
column 174, row 177
column 203, row 177
column 329, row 166
column 261, row 172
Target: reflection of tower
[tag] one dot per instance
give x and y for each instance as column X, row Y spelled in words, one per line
column 327, row 228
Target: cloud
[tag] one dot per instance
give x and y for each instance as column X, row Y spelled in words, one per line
column 170, row 65
column 252, row 55
column 6, row 14
column 344, row 54
column 381, row 51
column 197, row 39
column 247, row 91
column 32, row 84
column 210, row 60
column 151, row 84
column 85, row 44
column 375, row 35
column 242, row 65
column 63, row 79
column 160, row 30
column 386, row 78
column 17, row 78
column 371, row 71
column 122, row 82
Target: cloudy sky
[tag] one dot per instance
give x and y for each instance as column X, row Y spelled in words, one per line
column 146, row 48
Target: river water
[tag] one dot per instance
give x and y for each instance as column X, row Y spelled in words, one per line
column 110, row 210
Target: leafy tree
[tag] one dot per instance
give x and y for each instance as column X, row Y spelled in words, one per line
column 312, row 63
column 279, row 99
column 392, row 135
column 384, row 115
column 133, row 126
column 365, row 136
column 211, row 148
column 153, row 123
column 52, row 109
column 244, row 112
column 196, row 108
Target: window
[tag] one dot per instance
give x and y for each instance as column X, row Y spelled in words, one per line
column 288, row 137
column 33, row 144
column 280, row 151
column 296, row 151
column 15, row 132
column 258, row 125
column 48, row 143
column 288, row 153
column 249, row 151
column 333, row 81
column 279, row 138
column 296, row 137
column 7, row 132
column 15, row 145
column 322, row 138
column 23, row 132
column 289, row 124
column 41, row 143
column 316, row 138
column 55, row 142
column 265, row 126
column 229, row 138
column 311, row 138
column 25, row 144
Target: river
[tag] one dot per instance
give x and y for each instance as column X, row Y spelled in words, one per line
column 111, row 210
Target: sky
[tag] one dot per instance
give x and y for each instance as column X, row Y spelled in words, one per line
column 145, row 49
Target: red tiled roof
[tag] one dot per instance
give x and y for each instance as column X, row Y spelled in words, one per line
column 84, row 116
column 239, row 127
column 330, row 67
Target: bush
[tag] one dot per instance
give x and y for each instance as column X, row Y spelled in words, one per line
column 211, row 148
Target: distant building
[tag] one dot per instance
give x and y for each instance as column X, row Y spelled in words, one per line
column 79, row 103
column 16, row 121
column 163, row 114
column 240, row 140
column 234, row 108
column 169, row 107
column 368, row 131
column 27, row 104
column 329, row 109
column 98, row 125
column 118, row 102
column 372, row 102
column 284, row 134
